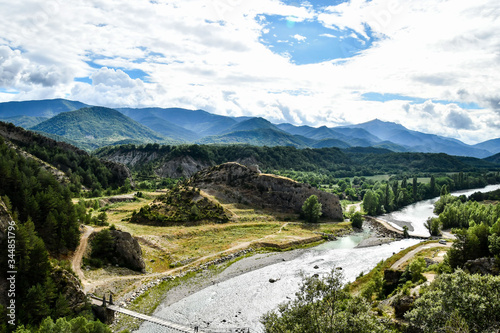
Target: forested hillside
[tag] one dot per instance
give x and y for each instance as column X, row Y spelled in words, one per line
column 39, row 211
column 80, row 167
column 331, row 161
column 97, row 126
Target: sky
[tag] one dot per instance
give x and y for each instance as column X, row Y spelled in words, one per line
column 430, row 65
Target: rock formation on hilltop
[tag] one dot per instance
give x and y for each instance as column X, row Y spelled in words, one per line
column 237, row 183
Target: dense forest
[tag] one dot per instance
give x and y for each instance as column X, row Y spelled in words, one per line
column 80, row 167
column 476, row 225
column 46, row 228
column 387, row 196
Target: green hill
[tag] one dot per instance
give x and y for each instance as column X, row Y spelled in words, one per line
column 44, row 108
column 251, row 124
column 24, row 121
column 495, row 159
column 260, row 137
column 97, row 126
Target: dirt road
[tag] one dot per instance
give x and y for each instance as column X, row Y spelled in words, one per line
column 410, row 254
column 76, row 262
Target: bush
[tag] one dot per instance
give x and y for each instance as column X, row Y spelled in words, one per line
column 357, row 220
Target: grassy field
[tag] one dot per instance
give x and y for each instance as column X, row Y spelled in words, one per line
column 165, row 247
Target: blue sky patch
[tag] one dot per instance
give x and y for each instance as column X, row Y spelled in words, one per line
column 136, row 74
column 5, row 91
column 308, row 42
column 377, row 97
column 83, row 79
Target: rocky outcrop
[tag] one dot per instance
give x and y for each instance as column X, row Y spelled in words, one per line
column 123, row 250
column 128, row 250
column 184, row 166
column 402, row 304
column 71, row 288
column 391, row 280
column 238, row 183
column 131, row 157
column 483, row 266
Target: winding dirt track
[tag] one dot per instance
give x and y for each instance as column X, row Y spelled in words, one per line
column 76, row 262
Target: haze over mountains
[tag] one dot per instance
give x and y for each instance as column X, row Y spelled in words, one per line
column 91, row 127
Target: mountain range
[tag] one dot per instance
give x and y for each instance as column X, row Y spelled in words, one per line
column 91, row 127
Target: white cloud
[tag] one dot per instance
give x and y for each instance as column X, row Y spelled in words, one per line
column 299, row 37
column 194, row 51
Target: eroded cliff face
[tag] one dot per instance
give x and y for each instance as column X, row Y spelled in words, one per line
column 238, row 183
column 180, row 166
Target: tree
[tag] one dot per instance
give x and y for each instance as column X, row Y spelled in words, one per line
column 473, row 300
column 432, row 186
column 406, row 234
column 433, row 225
column 370, row 202
column 312, row 209
column 322, row 305
column 357, row 220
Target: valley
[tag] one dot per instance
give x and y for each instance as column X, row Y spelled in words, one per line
column 156, row 221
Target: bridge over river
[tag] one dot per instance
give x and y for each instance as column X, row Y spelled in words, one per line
column 159, row 321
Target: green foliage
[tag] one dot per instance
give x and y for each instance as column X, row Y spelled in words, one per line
column 370, row 203
column 180, row 205
column 34, row 193
column 97, row 126
column 322, row 305
column 416, row 268
column 65, row 325
column 375, row 286
column 472, row 300
column 405, row 232
column 433, row 225
column 494, row 244
column 357, row 220
column 103, row 244
column 471, row 244
column 79, row 166
column 312, row 209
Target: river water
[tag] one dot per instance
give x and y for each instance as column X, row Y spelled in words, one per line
column 418, row 213
column 242, row 300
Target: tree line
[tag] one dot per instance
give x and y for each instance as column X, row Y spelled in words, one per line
column 334, row 162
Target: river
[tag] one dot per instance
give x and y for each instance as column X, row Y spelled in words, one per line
column 414, row 216
column 242, row 300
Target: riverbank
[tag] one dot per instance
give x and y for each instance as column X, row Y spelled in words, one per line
column 172, row 289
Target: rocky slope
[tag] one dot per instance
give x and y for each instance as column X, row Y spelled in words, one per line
column 234, row 182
